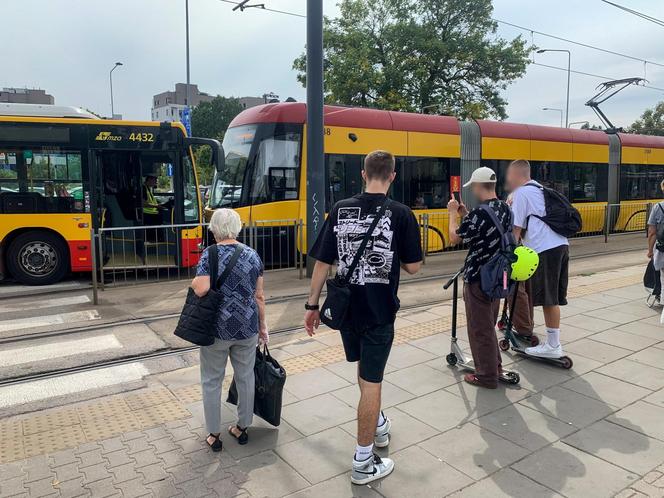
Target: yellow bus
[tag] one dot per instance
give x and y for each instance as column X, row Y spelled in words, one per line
column 64, row 172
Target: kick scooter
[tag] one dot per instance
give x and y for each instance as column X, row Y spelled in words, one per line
column 456, row 355
column 519, row 343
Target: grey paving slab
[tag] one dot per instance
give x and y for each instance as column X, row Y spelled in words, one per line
column 618, row 445
column 537, row 376
column 438, row 344
column 419, row 316
column 441, row 410
column 525, row 426
column 391, row 395
column 406, row 431
column 595, row 350
column 314, row 382
column 582, row 365
column 639, row 308
column 317, row 414
column 321, row 456
column 568, row 406
column 568, row 333
column 405, row 355
column 656, row 398
column 304, row 346
column 605, row 299
column 635, row 373
column 483, row 401
column 642, row 417
column 575, row 473
column 506, row 484
column 417, row 473
column 476, row 453
column 338, row 487
column 268, row 475
column 420, row 379
column 344, row 369
column 624, row 340
column 614, row 314
column 604, row 388
column 333, row 339
column 262, row 436
column 655, row 331
column 651, row 356
column 586, row 304
column 590, row 323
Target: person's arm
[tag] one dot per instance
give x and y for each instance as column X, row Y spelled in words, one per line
column 410, row 245
column 517, row 233
column 411, row 268
column 260, row 303
column 519, row 213
column 652, row 238
column 201, row 282
column 455, row 209
column 312, row 317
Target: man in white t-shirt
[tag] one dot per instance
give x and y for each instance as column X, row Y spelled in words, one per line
column 548, row 286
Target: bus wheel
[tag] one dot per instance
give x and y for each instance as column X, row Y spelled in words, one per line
column 37, row 258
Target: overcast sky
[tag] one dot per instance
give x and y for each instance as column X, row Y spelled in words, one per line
column 67, row 47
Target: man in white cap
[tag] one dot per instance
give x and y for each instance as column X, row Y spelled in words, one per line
column 480, row 233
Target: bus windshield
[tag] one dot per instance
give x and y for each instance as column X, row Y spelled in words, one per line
column 227, row 188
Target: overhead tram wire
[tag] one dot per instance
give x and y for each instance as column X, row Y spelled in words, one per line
column 606, row 78
column 647, row 17
column 277, row 11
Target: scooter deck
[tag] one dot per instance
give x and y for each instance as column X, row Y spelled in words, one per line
column 564, row 361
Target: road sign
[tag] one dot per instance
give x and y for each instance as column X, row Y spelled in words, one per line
column 185, row 118
column 169, row 169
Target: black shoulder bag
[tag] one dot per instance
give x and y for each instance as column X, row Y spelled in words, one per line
column 335, row 308
column 198, row 319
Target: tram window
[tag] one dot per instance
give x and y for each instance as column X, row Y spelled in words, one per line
column 278, row 152
column 427, row 181
column 8, row 171
column 58, row 177
column 633, row 181
column 552, row 174
column 344, row 174
column 589, row 182
column 500, row 167
column 655, row 177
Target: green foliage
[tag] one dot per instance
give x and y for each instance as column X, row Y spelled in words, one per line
column 7, row 174
column 210, row 120
column 409, row 55
column 651, row 121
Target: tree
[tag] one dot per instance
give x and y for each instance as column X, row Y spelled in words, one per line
column 415, row 55
column 651, row 121
column 210, row 120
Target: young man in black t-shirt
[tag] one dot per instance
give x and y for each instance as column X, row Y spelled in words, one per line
column 368, row 332
column 479, row 232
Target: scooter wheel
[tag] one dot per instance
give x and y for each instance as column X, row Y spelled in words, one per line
column 504, row 344
column 534, row 340
column 566, row 362
column 451, row 359
column 512, row 377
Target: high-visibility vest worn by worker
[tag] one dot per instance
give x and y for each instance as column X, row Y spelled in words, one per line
column 150, row 204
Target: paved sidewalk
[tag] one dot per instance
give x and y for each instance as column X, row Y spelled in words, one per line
column 594, row 431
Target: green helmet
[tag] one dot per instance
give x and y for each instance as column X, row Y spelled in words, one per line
column 525, row 265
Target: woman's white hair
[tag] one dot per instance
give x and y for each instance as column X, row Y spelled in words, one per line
column 225, row 224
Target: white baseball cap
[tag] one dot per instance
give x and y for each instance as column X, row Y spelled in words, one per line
column 481, row 175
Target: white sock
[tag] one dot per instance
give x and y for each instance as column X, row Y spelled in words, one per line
column 553, row 337
column 381, row 419
column 363, row 452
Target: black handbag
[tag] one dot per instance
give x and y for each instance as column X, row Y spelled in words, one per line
column 270, row 380
column 335, row 308
column 198, row 319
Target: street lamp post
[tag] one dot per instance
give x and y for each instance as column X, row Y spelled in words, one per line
column 110, row 79
column 569, row 72
column 554, row 109
column 186, row 18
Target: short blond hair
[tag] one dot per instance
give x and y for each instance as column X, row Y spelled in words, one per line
column 521, row 164
column 225, row 224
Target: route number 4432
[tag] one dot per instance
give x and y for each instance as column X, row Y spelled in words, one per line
column 141, row 137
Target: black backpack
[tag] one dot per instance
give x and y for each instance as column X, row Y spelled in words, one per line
column 561, row 216
column 495, row 274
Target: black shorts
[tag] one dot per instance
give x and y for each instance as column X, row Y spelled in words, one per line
column 549, row 283
column 371, row 347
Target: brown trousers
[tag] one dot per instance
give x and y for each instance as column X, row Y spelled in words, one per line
column 522, row 313
column 481, row 316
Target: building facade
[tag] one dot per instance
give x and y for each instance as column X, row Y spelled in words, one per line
column 26, row 96
column 166, row 106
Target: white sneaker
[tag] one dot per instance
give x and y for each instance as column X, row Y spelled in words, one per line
column 371, row 469
column 544, row 350
column 382, row 437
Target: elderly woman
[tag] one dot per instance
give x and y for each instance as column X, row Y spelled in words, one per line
column 240, row 323
column 655, row 246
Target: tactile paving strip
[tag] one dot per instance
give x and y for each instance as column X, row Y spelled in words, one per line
column 329, row 355
column 50, row 421
column 158, row 414
column 300, row 364
column 48, row 442
column 103, row 409
column 595, row 287
column 10, row 429
column 189, row 394
column 11, row 449
column 149, row 398
column 98, row 429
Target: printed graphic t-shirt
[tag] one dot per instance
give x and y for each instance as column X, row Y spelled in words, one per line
column 481, row 235
column 375, row 282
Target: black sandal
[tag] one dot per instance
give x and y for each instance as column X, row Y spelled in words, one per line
column 217, row 445
column 243, row 438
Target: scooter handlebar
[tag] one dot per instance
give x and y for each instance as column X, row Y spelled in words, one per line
column 451, row 280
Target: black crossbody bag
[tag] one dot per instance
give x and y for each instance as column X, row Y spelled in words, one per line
column 198, row 319
column 335, row 308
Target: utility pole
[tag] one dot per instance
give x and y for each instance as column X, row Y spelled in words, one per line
column 186, row 17
column 315, row 144
column 110, row 80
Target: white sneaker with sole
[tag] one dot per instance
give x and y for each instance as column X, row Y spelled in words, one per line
column 371, row 469
column 544, row 350
column 382, row 437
